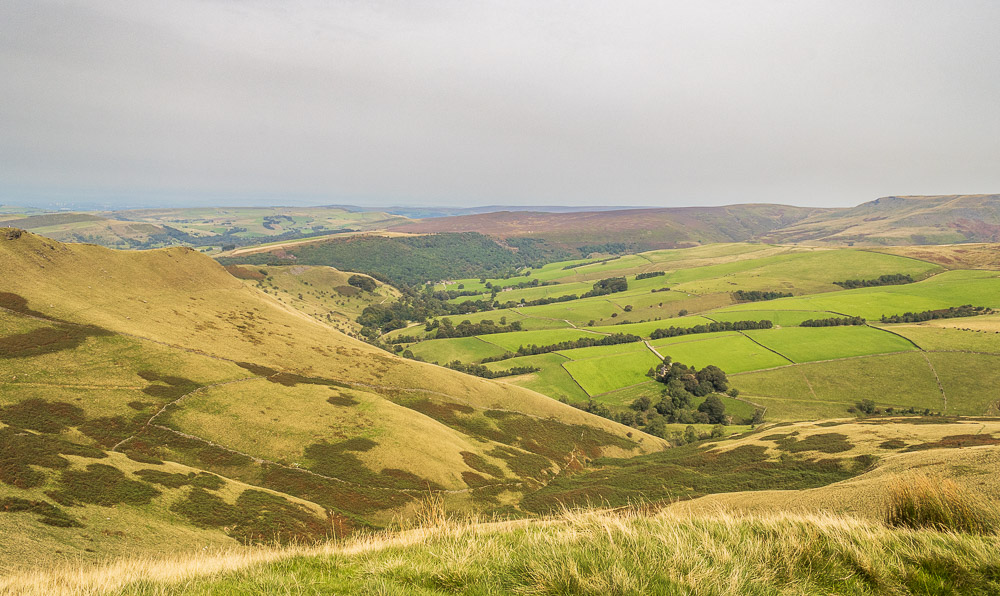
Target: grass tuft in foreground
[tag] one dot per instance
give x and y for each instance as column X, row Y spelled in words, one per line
column 598, row 552
column 918, row 501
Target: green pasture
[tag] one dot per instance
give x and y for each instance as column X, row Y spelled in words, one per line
column 827, row 389
column 552, row 380
column 949, row 339
column 970, row 382
column 466, row 349
column 599, row 375
column 528, row 294
column 951, row 288
column 729, row 351
column 781, row 318
column 544, row 337
column 601, row 351
column 644, row 329
column 580, row 312
column 808, row 344
column 803, row 272
column 708, row 251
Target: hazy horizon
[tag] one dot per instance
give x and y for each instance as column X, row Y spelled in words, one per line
column 114, row 104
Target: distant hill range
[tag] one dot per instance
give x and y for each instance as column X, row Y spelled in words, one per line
column 942, row 219
column 885, row 221
column 646, row 228
column 911, row 220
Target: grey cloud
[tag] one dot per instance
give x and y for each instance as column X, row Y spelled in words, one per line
column 461, row 103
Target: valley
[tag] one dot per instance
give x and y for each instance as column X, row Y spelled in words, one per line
column 297, row 394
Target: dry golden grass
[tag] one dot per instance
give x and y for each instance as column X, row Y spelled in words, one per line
column 922, row 501
column 595, row 552
column 952, row 256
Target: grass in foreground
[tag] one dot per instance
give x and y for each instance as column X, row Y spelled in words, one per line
column 579, row 553
column 920, row 501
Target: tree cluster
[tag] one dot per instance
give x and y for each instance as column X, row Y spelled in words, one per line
column 362, row 282
column 537, row 302
column 649, row 275
column 966, row 310
column 758, row 295
column 412, row 306
column 467, row 328
column 893, row 279
column 712, row 327
column 610, row 285
column 833, row 322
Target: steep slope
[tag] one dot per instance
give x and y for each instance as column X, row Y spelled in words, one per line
column 647, row 228
column 164, row 357
column 902, row 220
column 323, row 293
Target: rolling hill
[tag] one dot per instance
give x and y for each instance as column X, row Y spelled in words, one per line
column 645, row 228
column 892, row 220
column 154, row 390
column 901, row 221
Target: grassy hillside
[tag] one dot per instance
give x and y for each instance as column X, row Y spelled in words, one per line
column 115, row 361
column 323, row 293
column 902, row 221
column 810, row 536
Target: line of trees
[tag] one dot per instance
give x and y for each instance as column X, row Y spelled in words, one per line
column 583, row 342
column 758, row 295
column 481, row 371
column 712, row 327
column 966, row 310
column 893, row 279
column 446, row 329
column 536, row 302
column 649, row 275
column 833, row 322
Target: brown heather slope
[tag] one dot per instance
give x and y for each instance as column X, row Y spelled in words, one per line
column 651, row 228
column 163, row 356
column 902, row 221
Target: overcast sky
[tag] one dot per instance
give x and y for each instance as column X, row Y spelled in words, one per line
column 470, row 103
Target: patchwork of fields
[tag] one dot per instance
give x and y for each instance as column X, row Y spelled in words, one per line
column 794, row 371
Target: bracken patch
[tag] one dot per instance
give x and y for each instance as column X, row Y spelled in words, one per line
column 20, row 450
column 46, row 512
column 101, row 485
column 256, row 517
column 337, row 461
column 42, row 416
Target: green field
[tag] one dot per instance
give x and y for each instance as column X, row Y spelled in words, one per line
column 552, row 380
column 826, row 389
column 951, row 288
column 950, row 339
column 804, row 272
column 644, row 329
column 466, row 349
column 781, row 318
column 808, row 344
column 729, row 351
column 511, row 341
column 599, row 351
column 600, row 375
